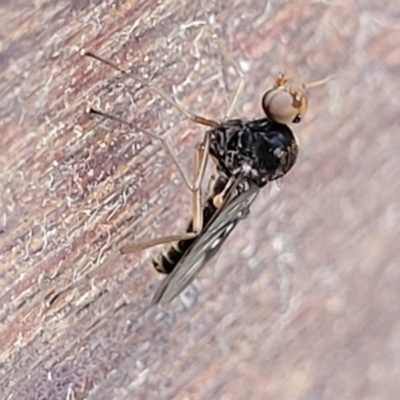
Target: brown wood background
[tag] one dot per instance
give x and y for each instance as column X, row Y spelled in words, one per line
column 303, row 301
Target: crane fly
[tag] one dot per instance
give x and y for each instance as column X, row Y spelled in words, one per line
column 247, row 153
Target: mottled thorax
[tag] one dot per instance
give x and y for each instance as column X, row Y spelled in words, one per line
column 266, row 150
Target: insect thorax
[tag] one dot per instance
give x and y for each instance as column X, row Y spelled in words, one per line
column 263, row 149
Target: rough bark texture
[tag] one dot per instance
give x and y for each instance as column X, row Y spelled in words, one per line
column 303, row 301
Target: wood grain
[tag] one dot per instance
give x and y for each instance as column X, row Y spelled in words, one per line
column 302, row 302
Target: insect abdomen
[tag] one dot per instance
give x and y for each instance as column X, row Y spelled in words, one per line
column 166, row 260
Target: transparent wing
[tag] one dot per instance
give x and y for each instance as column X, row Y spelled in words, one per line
column 234, row 208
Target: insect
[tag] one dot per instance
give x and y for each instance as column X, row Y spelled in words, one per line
column 248, row 153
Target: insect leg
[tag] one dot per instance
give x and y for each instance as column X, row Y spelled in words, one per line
column 200, row 162
column 164, row 141
column 196, row 118
column 239, row 86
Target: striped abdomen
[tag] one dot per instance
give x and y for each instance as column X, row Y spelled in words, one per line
column 167, row 259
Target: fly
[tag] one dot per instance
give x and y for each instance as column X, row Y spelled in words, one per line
column 248, row 153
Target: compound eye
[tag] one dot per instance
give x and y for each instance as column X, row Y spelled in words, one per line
column 284, row 105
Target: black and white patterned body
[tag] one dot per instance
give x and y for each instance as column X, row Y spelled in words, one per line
column 254, row 152
column 263, row 149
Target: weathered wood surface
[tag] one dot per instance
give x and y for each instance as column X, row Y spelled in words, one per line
column 303, row 301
